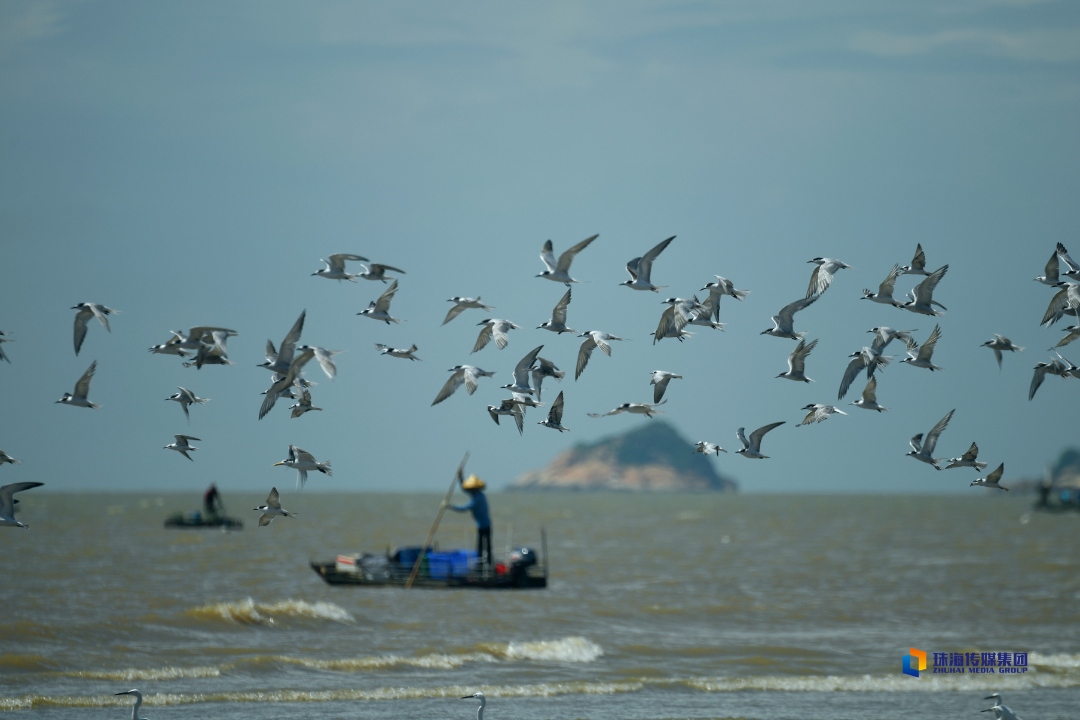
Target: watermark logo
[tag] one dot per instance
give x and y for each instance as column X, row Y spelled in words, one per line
column 914, row 662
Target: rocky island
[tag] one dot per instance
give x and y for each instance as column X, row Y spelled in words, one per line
column 652, row 457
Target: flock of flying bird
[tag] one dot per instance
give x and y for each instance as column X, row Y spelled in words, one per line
column 205, row 345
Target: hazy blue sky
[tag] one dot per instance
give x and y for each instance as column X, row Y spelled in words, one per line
column 190, row 163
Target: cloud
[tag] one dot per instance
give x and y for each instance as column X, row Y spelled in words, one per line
column 1056, row 46
column 23, row 22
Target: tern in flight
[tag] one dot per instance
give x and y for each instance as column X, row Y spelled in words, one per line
column 335, row 267
column 509, row 407
column 302, row 461
column 467, row 374
column 1066, row 301
column 594, row 339
column 397, row 352
column 678, row 316
column 324, row 357
column 784, row 321
column 279, row 360
column 660, row 379
column 283, row 383
column 494, row 329
column 922, row 295
column 212, row 353
column 868, row 401
column 560, row 271
column 545, row 368
column 1073, row 273
column 380, row 309
column 646, row 409
column 709, row 448
column 461, row 304
column 819, row 413
column 1054, row 367
column 82, row 389
column 7, row 503
column 884, row 295
column 797, row 362
column 557, row 323
column 138, row 703
column 378, row 272
column 272, row 509
column 924, row 451
column 1071, row 333
column 185, row 397
column 182, row 445
column 921, row 356
column 822, row 277
column 640, row 269
column 1051, row 277
column 87, row 311
column 5, row 458
column 752, row 448
column 918, row 263
column 967, row 460
column 304, row 404
column 999, row 343
column 521, row 373
column 554, row 418
column 722, row 286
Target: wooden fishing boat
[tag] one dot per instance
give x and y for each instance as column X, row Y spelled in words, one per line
column 196, row 519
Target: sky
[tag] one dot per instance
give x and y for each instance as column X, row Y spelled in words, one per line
column 190, row 163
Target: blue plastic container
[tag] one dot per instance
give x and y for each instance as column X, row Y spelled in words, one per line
column 452, row 563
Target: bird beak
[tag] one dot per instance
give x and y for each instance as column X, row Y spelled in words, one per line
column 278, row 463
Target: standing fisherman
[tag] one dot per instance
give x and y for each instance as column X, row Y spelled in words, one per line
column 477, row 504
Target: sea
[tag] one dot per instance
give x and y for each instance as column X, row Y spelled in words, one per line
column 770, row 607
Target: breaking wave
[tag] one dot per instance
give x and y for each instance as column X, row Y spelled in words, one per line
column 1054, row 660
column 568, row 649
column 888, row 683
column 249, row 612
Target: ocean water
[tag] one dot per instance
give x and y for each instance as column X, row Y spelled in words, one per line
column 670, row 606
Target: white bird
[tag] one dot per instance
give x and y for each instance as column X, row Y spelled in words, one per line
column 302, row 461
column 1066, row 301
column 380, row 309
column 212, row 353
column 924, row 451
column 467, row 374
column 272, row 509
column 138, row 703
column 304, row 405
column 868, row 401
column 483, row 702
column 1000, row 711
column 82, row 389
column 283, row 383
column 335, row 267
column 557, row 323
column 922, row 295
column 1072, row 333
column 819, row 413
column 7, row 503
column 496, row 329
column 397, row 352
column 708, row 448
column 752, row 448
column 1051, row 277
column 884, row 295
column 171, row 347
column 921, row 356
column 703, row 314
column 521, row 373
column 185, row 397
column 999, row 343
column 325, row 358
column 722, row 286
column 886, row 335
column 378, row 272
column 822, row 277
column 5, row 458
column 543, row 369
column 182, row 445
column 509, row 407
column 279, row 360
column 661, row 378
column 797, row 362
column 918, row 263
column 967, row 459
column 646, row 409
column 554, row 417
column 1070, row 368
column 87, row 311
column 461, row 304
column 1073, row 273
column 869, row 358
column 677, row 316
column 594, row 339
column 195, row 338
column 784, row 321
column 560, row 271
column 1054, row 367
column 640, row 269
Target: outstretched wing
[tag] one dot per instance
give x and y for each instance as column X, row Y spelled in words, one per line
column 757, row 435
column 853, row 369
column 932, row 436
column 919, row 261
column 81, row 318
column 558, row 315
column 450, row 386
column 927, row 349
column 971, row 454
column 82, row 388
column 568, row 256
column 288, row 345
column 483, row 339
column 555, row 413
column 382, row 305
column 995, row 476
column 797, row 359
column 924, row 291
column 787, row 313
column 889, row 283
column 644, row 263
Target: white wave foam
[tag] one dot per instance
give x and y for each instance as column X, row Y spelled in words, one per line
column 166, row 673
column 568, row 649
column 888, row 683
column 1054, row 660
column 250, row 612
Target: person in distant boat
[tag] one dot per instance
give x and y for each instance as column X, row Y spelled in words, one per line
column 211, row 500
column 478, row 506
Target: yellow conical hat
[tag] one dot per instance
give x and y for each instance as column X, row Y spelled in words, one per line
column 473, row 483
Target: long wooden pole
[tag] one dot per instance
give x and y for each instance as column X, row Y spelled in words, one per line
column 435, row 525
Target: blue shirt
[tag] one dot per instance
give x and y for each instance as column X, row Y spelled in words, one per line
column 479, row 507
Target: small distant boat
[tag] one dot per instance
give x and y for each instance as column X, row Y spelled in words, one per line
column 195, row 519
column 521, row 569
